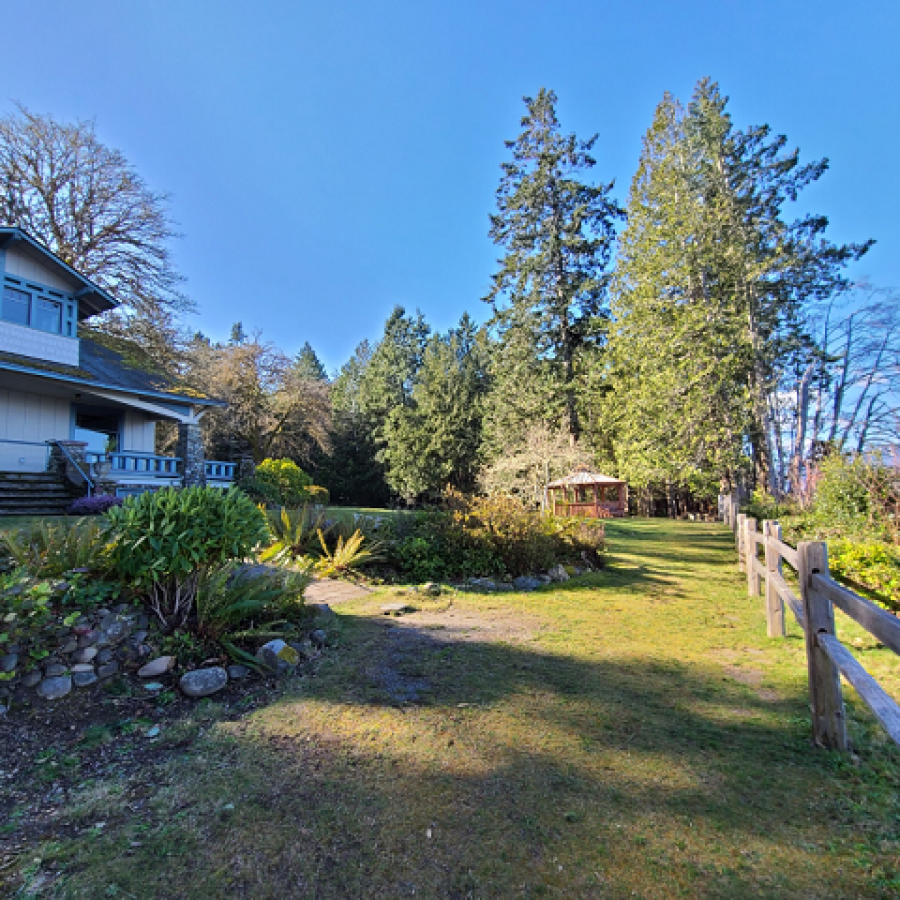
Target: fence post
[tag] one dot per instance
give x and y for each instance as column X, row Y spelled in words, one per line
column 750, row 556
column 825, row 698
column 774, row 601
column 739, row 541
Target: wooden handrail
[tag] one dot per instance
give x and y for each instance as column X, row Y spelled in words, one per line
column 883, row 706
column 827, row 658
column 875, row 620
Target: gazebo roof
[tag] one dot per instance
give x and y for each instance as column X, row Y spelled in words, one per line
column 584, row 478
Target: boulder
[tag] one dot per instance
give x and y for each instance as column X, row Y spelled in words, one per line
column 9, row 662
column 85, row 656
column 277, row 656
column 395, row 609
column 432, row 588
column 55, row 688
column 203, row 682
column 558, row 573
column 84, row 679
column 318, row 638
column 157, row 667
column 526, row 583
column 482, row 584
column 54, row 670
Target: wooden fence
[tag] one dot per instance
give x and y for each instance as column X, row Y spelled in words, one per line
column 827, row 658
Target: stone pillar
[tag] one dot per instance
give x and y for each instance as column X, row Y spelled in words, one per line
column 246, row 468
column 190, row 450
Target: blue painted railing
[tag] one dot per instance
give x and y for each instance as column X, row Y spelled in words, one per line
column 132, row 463
column 220, row 471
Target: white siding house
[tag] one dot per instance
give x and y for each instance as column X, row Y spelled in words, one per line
column 79, row 399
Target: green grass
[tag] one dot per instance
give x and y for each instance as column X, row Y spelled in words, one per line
column 630, row 734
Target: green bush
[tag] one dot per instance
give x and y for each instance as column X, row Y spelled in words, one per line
column 164, row 542
column 294, row 533
column 283, row 483
column 871, row 565
column 50, row 549
column 231, row 600
column 496, row 535
column 842, row 504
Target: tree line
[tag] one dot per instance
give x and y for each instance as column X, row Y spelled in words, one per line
column 697, row 338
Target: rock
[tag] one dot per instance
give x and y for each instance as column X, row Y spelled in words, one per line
column 30, row 679
column 115, row 631
column 83, row 667
column 54, row 670
column 9, row 662
column 277, row 656
column 322, row 610
column 83, row 679
column 526, row 583
column 88, row 639
column 85, row 656
column 55, row 687
column 153, row 686
column 104, row 656
column 504, row 586
column 70, row 646
column 544, row 579
column 108, row 670
column 483, row 584
column 431, row 588
column 203, row 682
column 558, row 573
column 139, row 637
column 318, row 638
column 157, row 667
column 395, row 609
column 236, row 672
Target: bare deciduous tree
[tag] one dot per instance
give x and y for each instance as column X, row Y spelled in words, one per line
column 86, row 202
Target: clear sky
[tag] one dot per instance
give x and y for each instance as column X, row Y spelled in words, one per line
column 328, row 160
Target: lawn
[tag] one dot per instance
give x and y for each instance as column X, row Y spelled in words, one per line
column 632, row 733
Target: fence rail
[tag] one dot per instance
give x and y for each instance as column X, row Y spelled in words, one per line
column 827, row 658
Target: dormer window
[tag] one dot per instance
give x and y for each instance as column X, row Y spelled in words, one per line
column 39, row 307
column 16, row 306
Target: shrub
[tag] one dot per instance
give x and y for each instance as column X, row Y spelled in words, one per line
column 164, row 542
column 871, row 565
column 50, row 549
column 262, row 492
column 347, row 555
column 93, row 506
column 287, row 478
column 230, row 599
column 494, row 535
column 294, row 533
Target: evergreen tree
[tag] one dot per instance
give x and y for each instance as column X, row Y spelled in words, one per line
column 710, row 293
column 434, row 440
column 548, row 295
column 308, row 365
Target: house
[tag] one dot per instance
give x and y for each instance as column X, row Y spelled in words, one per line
column 82, row 406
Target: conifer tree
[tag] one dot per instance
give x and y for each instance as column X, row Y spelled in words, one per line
column 548, row 294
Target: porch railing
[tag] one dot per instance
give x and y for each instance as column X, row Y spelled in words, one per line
column 129, row 464
column 220, row 471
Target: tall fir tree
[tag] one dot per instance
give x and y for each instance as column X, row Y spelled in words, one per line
column 548, row 296
column 710, row 292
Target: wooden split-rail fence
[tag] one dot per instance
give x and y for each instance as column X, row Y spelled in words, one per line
column 827, row 658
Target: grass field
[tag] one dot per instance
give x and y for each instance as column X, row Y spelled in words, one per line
column 630, row 734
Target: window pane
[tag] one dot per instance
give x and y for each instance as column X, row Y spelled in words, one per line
column 48, row 315
column 15, row 306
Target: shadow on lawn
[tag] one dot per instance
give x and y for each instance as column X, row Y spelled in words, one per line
column 626, row 778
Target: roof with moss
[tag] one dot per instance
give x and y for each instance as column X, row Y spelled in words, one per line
column 113, row 363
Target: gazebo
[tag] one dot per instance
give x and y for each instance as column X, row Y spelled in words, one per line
column 590, row 494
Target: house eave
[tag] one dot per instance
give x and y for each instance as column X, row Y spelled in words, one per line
column 132, row 392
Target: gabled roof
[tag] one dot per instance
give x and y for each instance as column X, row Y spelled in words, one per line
column 584, row 478
column 92, row 299
column 107, row 363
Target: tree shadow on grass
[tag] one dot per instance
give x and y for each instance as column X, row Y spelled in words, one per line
column 515, row 772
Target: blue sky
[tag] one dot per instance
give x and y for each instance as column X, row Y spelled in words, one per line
column 328, row 160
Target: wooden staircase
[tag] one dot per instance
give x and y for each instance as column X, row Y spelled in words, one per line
column 36, row 494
